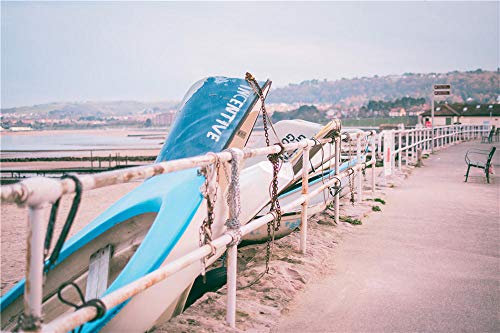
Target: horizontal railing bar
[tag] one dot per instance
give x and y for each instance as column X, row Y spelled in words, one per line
column 21, row 192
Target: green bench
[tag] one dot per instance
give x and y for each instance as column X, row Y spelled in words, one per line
column 479, row 158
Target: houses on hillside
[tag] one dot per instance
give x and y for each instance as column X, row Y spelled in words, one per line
column 473, row 114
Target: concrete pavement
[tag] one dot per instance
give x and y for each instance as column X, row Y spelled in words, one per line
column 429, row 262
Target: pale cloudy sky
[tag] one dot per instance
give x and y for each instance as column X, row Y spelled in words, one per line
column 63, row 51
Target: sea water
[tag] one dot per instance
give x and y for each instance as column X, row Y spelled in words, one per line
column 15, row 144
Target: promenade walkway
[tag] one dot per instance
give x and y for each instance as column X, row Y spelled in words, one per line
column 429, row 262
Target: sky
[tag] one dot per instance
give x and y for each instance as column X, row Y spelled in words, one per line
column 151, row 51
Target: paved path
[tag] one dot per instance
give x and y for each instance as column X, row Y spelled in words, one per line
column 428, row 262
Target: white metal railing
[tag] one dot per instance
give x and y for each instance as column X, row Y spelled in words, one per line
column 39, row 193
column 410, row 144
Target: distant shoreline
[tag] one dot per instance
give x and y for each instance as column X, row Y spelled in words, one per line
column 98, row 131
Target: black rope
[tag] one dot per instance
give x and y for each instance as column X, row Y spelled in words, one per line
column 50, row 227
column 337, row 188
column 67, row 225
column 96, row 303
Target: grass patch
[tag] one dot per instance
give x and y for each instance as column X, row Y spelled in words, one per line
column 382, row 201
column 350, row 220
column 376, row 208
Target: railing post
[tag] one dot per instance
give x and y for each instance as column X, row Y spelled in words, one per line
column 393, row 150
column 336, row 199
column 33, row 291
column 305, row 190
column 233, row 227
column 440, row 139
column 400, row 149
column 419, row 140
column 232, row 258
column 424, row 139
column 374, row 158
column 414, row 146
column 428, row 140
column 407, row 143
column 359, row 182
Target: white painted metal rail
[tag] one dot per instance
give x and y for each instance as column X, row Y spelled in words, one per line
column 410, row 144
column 39, row 193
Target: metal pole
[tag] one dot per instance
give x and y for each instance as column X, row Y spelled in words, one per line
column 414, row 146
column 305, row 188
column 399, row 150
column 407, row 143
column 427, row 135
column 432, row 121
column 423, row 139
column 374, row 157
column 359, row 182
column 336, row 199
column 33, row 291
column 438, row 142
column 232, row 258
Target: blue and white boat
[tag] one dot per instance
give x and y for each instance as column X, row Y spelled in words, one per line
column 154, row 224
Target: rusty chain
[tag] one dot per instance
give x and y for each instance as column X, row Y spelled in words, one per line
column 276, row 161
column 210, row 194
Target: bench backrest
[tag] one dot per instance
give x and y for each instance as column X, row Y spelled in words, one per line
column 490, row 156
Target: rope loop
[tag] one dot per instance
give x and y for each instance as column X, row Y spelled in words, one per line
column 67, row 225
column 96, row 303
column 233, row 198
column 337, row 188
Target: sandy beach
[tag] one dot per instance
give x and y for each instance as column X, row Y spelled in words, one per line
column 13, row 227
column 261, row 305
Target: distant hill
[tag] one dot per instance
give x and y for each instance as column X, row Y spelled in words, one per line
column 119, row 108
column 480, row 86
column 305, row 112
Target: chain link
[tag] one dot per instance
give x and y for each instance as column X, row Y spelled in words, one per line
column 276, row 160
column 351, row 175
column 211, row 173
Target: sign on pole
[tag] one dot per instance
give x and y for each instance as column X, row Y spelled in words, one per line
column 442, row 86
column 438, row 90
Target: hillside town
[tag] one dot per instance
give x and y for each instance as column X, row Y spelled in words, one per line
column 386, row 99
